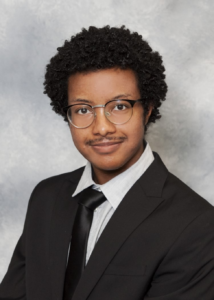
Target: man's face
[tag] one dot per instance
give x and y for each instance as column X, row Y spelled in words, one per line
column 107, row 146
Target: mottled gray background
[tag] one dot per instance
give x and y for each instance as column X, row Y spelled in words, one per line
column 36, row 143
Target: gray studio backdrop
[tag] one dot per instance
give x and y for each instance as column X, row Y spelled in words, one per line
column 35, row 143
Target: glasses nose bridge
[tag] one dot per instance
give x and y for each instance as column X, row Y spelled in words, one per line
column 99, row 106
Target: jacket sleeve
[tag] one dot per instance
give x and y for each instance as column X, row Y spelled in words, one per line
column 187, row 271
column 12, row 286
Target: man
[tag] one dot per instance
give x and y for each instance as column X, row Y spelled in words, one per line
column 123, row 227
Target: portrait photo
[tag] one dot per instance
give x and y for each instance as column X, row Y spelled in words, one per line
column 107, row 150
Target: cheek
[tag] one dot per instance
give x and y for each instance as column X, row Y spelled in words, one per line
column 135, row 138
column 78, row 138
column 135, row 130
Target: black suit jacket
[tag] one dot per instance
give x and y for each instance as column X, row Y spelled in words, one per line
column 158, row 245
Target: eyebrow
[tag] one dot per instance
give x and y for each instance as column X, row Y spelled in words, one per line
column 81, row 100
column 121, row 96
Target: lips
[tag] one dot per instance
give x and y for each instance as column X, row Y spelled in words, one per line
column 106, row 147
column 106, row 144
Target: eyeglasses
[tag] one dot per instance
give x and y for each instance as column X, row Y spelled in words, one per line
column 116, row 111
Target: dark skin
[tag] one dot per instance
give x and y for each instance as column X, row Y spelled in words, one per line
column 110, row 148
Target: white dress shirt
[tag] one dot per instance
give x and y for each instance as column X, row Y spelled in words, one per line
column 114, row 190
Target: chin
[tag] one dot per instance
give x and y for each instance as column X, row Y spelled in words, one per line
column 109, row 166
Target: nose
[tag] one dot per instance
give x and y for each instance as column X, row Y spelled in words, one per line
column 101, row 125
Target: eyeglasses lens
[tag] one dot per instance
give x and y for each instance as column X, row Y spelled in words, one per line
column 118, row 112
column 81, row 115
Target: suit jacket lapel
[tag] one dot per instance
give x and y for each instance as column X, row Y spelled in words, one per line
column 141, row 200
column 60, row 235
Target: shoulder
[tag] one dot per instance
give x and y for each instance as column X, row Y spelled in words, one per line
column 177, row 189
column 187, row 220
column 180, row 203
column 191, row 213
column 185, row 203
column 173, row 189
column 57, row 180
column 49, row 187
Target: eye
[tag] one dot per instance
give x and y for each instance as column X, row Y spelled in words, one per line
column 120, row 107
column 82, row 111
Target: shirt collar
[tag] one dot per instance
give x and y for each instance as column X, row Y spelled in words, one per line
column 115, row 189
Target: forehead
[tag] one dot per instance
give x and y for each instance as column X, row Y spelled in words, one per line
column 103, row 85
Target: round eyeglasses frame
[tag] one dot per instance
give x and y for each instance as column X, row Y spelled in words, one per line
column 132, row 102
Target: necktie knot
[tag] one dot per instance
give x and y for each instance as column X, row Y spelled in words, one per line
column 91, row 198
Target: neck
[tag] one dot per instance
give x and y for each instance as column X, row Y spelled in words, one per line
column 103, row 176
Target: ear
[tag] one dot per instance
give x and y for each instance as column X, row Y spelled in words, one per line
column 148, row 114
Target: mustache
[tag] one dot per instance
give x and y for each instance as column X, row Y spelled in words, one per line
column 119, row 139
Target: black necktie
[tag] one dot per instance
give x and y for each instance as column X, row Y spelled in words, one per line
column 88, row 200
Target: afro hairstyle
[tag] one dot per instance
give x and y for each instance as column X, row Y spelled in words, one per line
column 103, row 48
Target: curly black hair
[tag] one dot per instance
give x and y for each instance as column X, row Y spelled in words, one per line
column 103, row 48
